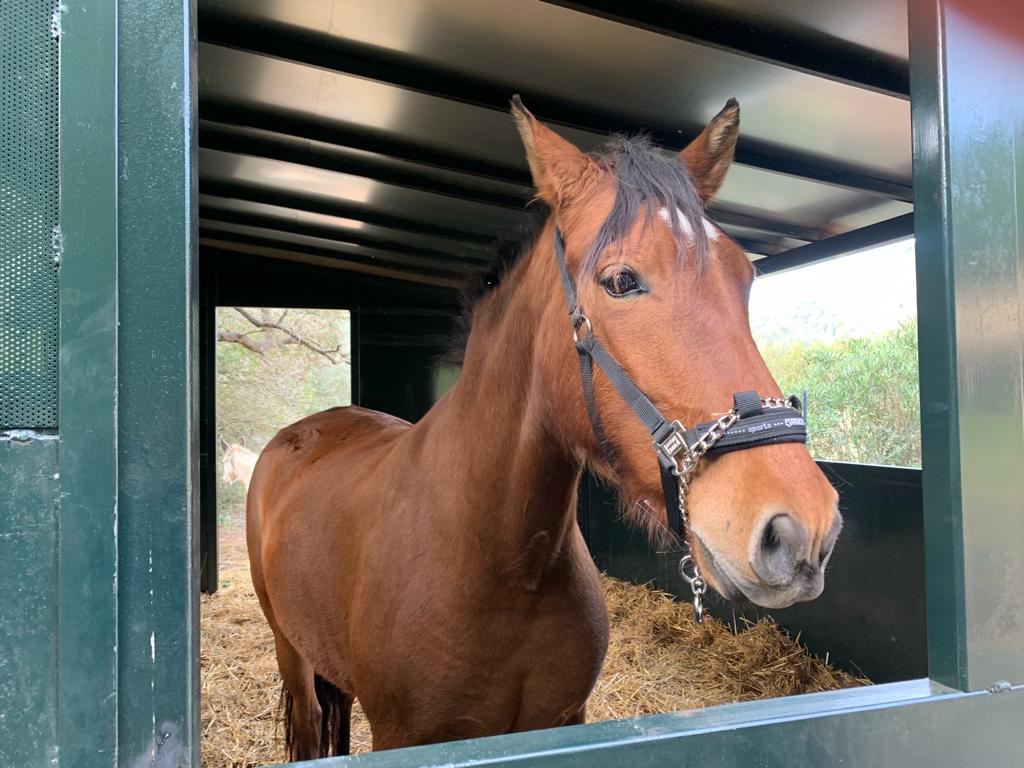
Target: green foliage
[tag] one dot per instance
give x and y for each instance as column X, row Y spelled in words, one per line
column 862, row 395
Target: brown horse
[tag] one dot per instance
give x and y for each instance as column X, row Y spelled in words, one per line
column 436, row 571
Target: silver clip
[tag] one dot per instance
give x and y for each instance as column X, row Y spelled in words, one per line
column 673, row 443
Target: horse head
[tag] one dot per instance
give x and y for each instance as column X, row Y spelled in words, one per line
column 666, row 292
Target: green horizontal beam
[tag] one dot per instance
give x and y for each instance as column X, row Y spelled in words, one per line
column 910, row 725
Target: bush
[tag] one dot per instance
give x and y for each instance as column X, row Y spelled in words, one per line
column 862, row 395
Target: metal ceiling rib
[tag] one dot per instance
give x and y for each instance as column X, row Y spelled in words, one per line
column 817, row 48
column 379, row 132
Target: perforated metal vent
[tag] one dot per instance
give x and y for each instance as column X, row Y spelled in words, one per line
column 28, row 214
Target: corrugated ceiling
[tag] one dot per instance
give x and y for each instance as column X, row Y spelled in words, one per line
column 377, row 133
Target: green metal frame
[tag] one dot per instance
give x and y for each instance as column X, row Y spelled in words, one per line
column 967, row 77
column 158, row 647
column 127, row 598
column 120, row 684
column 901, row 724
column 28, row 610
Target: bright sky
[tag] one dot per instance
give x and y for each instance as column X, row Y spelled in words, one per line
column 861, row 294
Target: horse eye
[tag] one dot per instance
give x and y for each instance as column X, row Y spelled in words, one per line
column 621, row 282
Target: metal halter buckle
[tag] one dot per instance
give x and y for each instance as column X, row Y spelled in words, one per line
column 579, row 319
column 673, row 443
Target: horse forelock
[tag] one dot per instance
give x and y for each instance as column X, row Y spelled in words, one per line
column 647, row 182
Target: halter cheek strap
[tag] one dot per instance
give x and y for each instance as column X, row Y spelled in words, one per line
column 752, row 421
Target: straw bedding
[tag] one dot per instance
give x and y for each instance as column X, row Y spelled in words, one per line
column 658, row 660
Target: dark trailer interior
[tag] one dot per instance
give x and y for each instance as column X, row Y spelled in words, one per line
column 361, row 156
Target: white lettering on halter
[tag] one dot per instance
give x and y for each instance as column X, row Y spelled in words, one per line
column 684, row 224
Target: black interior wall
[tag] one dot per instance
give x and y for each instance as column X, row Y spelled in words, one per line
column 871, row 617
column 401, row 358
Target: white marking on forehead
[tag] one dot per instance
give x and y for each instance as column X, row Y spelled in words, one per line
column 684, row 224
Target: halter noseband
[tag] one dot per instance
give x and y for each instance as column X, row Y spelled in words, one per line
column 753, row 420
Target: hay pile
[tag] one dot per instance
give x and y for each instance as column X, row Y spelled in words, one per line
column 658, row 660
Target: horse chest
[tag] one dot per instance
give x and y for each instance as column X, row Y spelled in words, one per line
column 495, row 670
column 525, row 655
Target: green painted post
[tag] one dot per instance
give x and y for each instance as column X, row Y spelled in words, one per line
column 967, row 81
column 157, row 410
column 88, row 584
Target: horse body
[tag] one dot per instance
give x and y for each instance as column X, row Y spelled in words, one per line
column 436, row 571
column 493, row 619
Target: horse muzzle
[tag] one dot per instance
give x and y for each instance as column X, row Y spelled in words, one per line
column 781, row 573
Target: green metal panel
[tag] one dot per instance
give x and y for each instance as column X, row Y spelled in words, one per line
column 967, row 77
column 401, row 359
column 871, row 617
column 909, row 725
column 29, row 491
column 29, row 239
column 28, row 610
column 88, row 583
column 157, row 407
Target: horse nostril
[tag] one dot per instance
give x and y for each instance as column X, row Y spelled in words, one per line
column 781, row 548
column 825, row 552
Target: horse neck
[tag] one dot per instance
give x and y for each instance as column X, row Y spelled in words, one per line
column 502, row 422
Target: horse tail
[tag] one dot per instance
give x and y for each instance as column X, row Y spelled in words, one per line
column 284, row 711
column 335, row 719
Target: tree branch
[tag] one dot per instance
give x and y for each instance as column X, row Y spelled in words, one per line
column 265, row 323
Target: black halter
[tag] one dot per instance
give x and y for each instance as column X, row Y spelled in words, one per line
column 752, row 421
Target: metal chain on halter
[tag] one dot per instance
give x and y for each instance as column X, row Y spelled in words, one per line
column 688, row 569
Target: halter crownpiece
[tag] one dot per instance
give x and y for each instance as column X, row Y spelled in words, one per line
column 753, row 420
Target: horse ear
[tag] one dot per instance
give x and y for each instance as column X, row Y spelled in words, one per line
column 241, row 441
column 709, row 156
column 558, row 167
column 224, row 443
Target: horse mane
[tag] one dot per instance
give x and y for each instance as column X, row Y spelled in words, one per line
column 646, row 180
